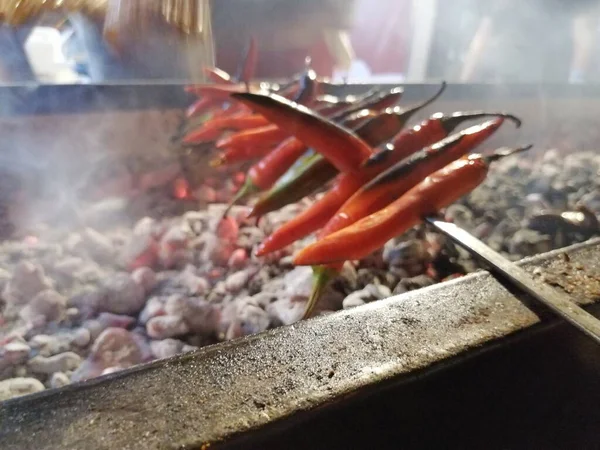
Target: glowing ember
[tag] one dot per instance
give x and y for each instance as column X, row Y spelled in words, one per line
column 181, row 189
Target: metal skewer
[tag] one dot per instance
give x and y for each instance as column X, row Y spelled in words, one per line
column 558, row 302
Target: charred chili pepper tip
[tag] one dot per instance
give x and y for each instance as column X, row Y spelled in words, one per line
column 504, row 152
column 454, row 120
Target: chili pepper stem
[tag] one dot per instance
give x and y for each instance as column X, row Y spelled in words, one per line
column 429, row 101
column 321, row 277
column 248, row 188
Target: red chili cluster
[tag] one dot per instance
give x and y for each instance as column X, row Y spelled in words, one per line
column 383, row 178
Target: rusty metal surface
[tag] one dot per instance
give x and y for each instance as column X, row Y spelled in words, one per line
column 232, row 388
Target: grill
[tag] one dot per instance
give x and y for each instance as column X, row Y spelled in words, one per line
column 458, row 364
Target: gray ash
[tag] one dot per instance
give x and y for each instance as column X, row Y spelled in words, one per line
column 107, row 295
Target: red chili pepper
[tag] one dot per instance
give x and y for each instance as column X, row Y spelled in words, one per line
column 232, row 155
column 248, row 65
column 386, row 187
column 408, row 142
column 268, row 170
column 213, row 129
column 330, row 104
column 342, row 147
column 241, row 121
column 262, row 136
column 370, row 106
column 230, row 110
column 429, row 196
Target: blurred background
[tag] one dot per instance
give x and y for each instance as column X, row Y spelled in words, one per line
column 493, row 41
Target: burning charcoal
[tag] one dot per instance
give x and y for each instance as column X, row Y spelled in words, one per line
column 192, row 218
column 207, row 243
column 378, row 291
column 98, row 246
column 49, row 345
column 364, row 277
column 357, row 298
column 142, row 248
column 237, row 281
column 262, row 282
column 193, row 284
column 172, row 247
column 164, row 327
column 459, row 214
column 114, row 347
column 82, row 337
column 166, row 348
column 286, row 311
column 109, row 320
column 155, row 307
column 218, row 293
column 411, row 284
column 249, row 238
column 238, row 259
column 299, row 282
column 175, row 305
column 18, row 387
column 58, row 380
column 199, row 315
column 206, row 194
column 370, row 293
column 28, row 279
column 122, row 295
column 349, row 277
column 375, row 260
column 263, row 299
column 406, row 253
column 95, row 328
column 145, row 227
column 483, row 230
column 228, row 229
column 68, row 266
column 145, row 277
column 582, row 221
column 139, row 336
column 528, row 242
column 15, row 353
column 592, row 200
column 250, row 319
column 57, row 363
column 48, row 304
